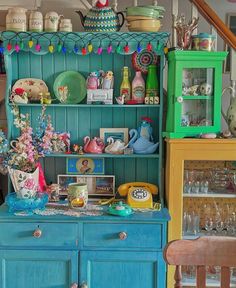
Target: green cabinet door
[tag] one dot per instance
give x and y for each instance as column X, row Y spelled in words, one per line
column 106, row 269
column 38, row 269
column 194, row 93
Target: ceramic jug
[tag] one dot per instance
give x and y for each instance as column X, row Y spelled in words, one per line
column 230, row 116
column 16, row 19
column 101, row 18
column 65, row 25
column 51, row 21
column 36, row 21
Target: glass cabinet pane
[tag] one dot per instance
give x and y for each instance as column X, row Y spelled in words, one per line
column 197, row 113
column 209, row 208
column 198, row 81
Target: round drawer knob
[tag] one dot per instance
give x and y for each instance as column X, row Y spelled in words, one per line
column 122, row 235
column 37, row 233
column 180, row 99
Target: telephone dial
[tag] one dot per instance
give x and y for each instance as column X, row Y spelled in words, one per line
column 139, row 194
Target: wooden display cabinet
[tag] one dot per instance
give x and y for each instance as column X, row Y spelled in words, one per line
column 198, row 155
column 194, row 93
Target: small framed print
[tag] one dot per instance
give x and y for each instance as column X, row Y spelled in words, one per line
column 115, row 133
column 85, row 166
column 98, row 186
column 63, row 182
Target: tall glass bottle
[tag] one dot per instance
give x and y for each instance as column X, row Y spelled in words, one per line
column 151, row 96
column 138, row 88
column 125, row 87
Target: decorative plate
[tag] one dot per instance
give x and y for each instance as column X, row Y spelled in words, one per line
column 32, row 87
column 142, row 60
column 70, row 87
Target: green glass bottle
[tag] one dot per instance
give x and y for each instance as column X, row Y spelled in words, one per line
column 151, row 96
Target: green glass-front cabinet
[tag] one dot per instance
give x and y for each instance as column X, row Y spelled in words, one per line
column 194, row 93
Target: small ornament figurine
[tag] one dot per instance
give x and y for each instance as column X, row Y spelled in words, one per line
column 120, row 100
column 108, row 80
column 81, row 151
column 76, row 148
column 19, row 95
column 145, row 129
column 93, row 80
column 102, row 3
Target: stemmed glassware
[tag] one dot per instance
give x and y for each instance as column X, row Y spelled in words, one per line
column 209, row 225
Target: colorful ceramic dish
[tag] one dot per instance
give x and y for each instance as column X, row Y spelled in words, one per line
column 70, row 87
column 33, row 87
column 142, row 60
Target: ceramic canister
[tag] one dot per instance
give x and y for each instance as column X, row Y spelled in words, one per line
column 51, row 21
column 16, row 19
column 77, row 195
column 65, row 25
column 36, row 21
column 204, row 42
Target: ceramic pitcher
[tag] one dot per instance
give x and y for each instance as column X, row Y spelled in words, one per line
column 51, row 21
column 16, row 19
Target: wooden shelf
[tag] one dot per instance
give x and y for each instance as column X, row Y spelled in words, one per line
column 209, row 195
column 103, row 155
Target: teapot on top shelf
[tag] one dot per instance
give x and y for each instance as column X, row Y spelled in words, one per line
column 101, row 18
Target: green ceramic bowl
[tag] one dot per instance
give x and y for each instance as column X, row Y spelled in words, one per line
column 143, row 11
column 70, row 87
column 158, row 8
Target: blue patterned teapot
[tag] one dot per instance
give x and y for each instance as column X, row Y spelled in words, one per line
column 101, row 18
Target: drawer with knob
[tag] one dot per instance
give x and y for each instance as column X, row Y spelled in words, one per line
column 122, row 235
column 39, row 234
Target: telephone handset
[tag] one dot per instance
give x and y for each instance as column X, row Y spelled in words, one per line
column 139, row 194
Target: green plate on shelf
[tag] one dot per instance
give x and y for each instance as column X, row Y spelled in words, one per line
column 70, row 87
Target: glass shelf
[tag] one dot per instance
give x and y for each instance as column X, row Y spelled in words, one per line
column 209, row 194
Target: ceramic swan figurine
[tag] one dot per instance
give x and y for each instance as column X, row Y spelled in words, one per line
column 140, row 144
column 94, row 145
column 115, row 147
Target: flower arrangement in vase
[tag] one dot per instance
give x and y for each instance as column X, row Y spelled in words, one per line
column 22, row 158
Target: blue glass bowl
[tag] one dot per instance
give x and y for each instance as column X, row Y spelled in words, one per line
column 26, row 205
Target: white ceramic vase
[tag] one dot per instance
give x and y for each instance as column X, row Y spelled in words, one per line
column 25, row 184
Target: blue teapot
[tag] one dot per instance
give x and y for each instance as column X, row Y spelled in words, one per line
column 101, row 18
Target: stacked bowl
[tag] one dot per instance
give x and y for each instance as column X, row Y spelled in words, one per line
column 144, row 18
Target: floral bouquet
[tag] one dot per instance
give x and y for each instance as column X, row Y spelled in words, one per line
column 22, row 158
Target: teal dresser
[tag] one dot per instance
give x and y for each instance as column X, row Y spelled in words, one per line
column 97, row 251
column 94, row 252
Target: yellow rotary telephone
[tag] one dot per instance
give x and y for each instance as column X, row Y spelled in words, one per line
column 139, row 194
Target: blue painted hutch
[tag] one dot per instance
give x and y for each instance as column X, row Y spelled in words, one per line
column 87, row 251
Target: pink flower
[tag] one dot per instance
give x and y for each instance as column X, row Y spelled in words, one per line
column 19, row 91
column 29, row 184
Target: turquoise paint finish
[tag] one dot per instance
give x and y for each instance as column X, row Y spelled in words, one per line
column 38, row 269
column 22, row 235
column 106, row 235
column 98, row 258
column 129, row 269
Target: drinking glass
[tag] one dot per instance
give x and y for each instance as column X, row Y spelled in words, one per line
column 219, row 227
column 209, row 225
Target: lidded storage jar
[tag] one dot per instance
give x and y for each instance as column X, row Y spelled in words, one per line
column 36, row 21
column 204, row 42
column 16, row 19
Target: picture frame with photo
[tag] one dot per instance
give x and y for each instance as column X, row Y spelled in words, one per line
column 99, row 186
column 116, row 133
column 85, row 166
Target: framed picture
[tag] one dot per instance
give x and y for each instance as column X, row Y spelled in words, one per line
column 115, row 133
column 231, row 23
column 83, row 165
column 98, row 186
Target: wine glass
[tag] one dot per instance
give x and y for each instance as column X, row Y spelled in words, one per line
column 209, row 225
column 219, row 226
